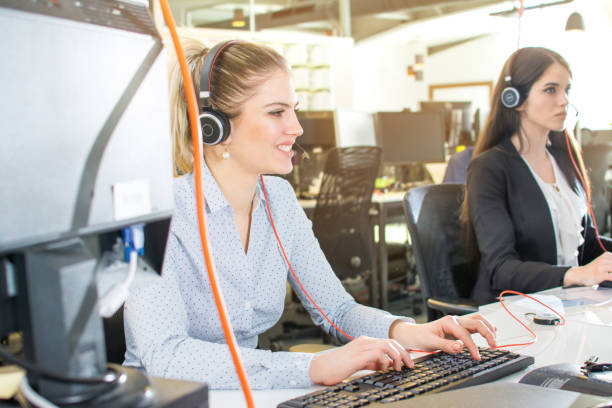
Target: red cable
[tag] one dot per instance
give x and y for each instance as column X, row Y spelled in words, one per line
column 197, row 156
column 263, row 185
column 589, row 207
column 535, row 337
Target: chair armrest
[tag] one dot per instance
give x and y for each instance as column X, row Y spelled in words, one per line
column 453, row 306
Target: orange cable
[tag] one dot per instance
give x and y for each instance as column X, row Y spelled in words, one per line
column 197, row 156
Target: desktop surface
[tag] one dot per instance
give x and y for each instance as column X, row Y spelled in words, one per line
column 573, row 343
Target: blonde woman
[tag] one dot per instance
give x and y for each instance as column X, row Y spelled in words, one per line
column 172, row 327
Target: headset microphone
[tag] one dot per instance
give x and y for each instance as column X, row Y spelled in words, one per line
column 304, row 153
column 575, row 109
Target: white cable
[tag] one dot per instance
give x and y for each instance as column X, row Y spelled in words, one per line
column 32, row 396
column 114, row 298
column 132, row 269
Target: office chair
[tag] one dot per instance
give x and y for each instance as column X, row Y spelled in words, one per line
column 447, row 276
column 341, row 218
column 597, row 159
column 343, row 227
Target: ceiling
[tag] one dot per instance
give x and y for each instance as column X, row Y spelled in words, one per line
column 368, row 17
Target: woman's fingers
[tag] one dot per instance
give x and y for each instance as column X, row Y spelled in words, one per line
column 479, row 324
column 393, row 350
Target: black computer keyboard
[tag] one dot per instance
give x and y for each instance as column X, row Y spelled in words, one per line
column 432, row 373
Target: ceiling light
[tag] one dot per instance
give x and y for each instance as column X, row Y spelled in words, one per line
column 238, row 21
column 418, row 61
column 574, row 22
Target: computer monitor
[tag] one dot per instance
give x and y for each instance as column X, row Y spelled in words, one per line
column 319, row 129
column 457, row 117
column 354, row 128
column 86, row 148
column 410, row 137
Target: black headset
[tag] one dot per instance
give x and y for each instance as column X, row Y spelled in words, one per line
column 510, row 96
column 214, row 124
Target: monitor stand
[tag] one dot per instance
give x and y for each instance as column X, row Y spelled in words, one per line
column 136, row 390
column 57, row 305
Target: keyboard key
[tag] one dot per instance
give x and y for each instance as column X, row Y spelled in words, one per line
column 431, row 374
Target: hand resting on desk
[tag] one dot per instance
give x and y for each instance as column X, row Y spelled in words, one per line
column 593, row 273
column 366, row 353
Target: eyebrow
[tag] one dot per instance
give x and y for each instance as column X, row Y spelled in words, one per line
column 282, row 104
column 551, row 83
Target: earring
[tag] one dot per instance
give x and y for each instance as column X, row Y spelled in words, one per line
column 225, row 155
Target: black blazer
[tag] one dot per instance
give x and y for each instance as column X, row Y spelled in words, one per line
column 513, row 225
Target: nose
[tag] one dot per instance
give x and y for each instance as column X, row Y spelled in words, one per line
column 294, row 127
column 564, row 99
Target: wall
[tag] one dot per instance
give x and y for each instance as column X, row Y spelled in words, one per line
column 380, row 82
column 379, row 64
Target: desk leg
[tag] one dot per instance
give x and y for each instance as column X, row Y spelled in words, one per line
column 383, row 257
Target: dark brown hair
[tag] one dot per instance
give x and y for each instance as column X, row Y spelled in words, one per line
column 525, row 66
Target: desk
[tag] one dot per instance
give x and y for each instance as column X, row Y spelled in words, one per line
column 572, row 343
column 387, row 207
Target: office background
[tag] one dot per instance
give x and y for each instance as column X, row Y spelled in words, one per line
column 388, row 63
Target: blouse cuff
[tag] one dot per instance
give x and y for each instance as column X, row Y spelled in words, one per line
column 291, row 370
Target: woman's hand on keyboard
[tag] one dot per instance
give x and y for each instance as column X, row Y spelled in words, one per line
column 363, row 353
column 442, row 334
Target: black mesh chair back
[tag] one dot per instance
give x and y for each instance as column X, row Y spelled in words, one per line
column 341, row 220
column 447, row 275
column 597, row 159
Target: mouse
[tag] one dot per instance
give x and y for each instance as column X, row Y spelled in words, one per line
column 606, row 284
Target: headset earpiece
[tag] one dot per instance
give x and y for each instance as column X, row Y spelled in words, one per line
column 510, row 96
column 214, row 124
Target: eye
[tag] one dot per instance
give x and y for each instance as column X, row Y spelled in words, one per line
column 550, row 90
column 276, row 113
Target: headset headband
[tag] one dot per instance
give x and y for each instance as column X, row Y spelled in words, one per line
column 508, row 74
column 206, row 72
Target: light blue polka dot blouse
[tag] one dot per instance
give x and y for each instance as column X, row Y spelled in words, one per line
column 172, row 326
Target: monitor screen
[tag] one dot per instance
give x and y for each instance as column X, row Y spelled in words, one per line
column 354, row 128
column 409, row 137
column 318, row 128
column 86, row 127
